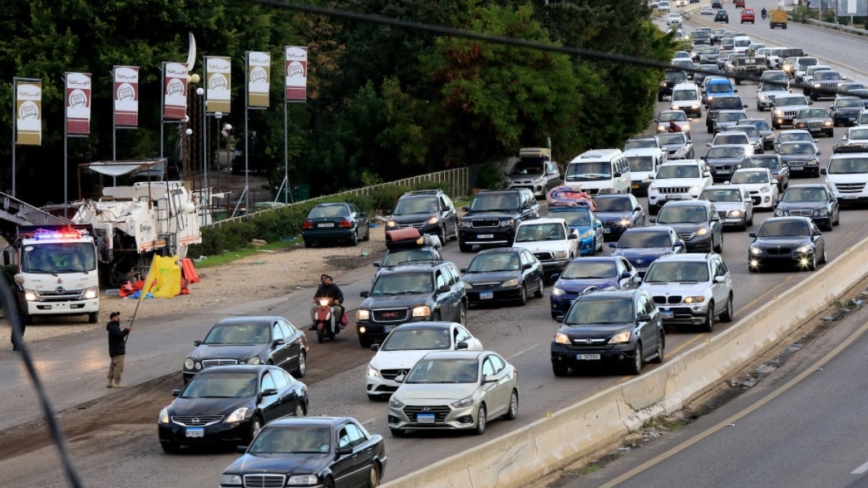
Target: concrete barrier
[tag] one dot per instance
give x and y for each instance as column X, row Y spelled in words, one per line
column 528, row 453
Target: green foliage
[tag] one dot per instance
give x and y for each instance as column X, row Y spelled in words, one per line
column 491, row 177
column 830, row 17
column 800, row 13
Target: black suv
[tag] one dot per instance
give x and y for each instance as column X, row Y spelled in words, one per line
column 430, row 211
column 696, row 222
column 672, row 78
column 717, row 104
column 410, row 292
column 493, row 216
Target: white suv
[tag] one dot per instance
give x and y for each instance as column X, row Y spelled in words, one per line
column 733, row 137
column 550, row 240
column 678, row 180
column 759, row 183
column 847, row 174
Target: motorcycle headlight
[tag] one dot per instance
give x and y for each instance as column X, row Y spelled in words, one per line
column 464, row 402
column 764, row 189
column 508, row 283
column 621, row 338
column 238, row 415
column 559, row 254
column 756, row 251
column 395, row 403
column 694, row 299
column 422, row 311
column 254, row 360
column 556, row 292
column 373, row 372
column 230, row 479
column 803, row 249
column 390, row 224
column 562, row 338
column 702, row 231
column 363, row 314
column 302, row 480
column 507, row 223
column 189, row 363
column 164, row 416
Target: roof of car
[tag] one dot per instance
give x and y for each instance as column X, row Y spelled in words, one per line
column 653, row 228
column 455, row 354
column 610, row 196
column 246, row 319
column 722, row 187
column 687, row 203
column 808, row 185
column 688, row 256
column 413, row 266
column 543, row 220
column 610, row 294
column 682, row 162
column 308, row 421
column 500, row 250
column 642, row 151
column 793, row 131
column 333, row 204
column 426, row 325
column 596, row 259
column 791, row 217
column 513, row 190
column 748, row 170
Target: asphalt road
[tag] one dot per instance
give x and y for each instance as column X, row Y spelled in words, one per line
column 129, row 454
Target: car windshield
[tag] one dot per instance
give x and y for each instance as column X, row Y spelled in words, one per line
column 601, row 311
column 675, row 76
column 292, row 440
column 685, row 95
column 858, row 134
column 795, row 136
column 812, row 113
column 321, row 211
column 731, row 138
column 640, row 144
column 614, row 204
column 491, row 262
column 805, row 62
column 677, row 272
column 849, row 103
column 673, row 138
column 581, row 269
column 731, row 116
column 749, row 177
column 444, row 371
column 742, row 42
column 540, row 232
column 640, row 163
column 762, row 162
column 718, row 88
column 403, row 284
column 221, row 385
column 416, row 205
column 644, row 239
column 589, row 171
column 789, row 101
column 682, row 215
column 784, row 228
column 848, row 166
column 757, row 123
column 719, row 152
column 677, row 171
column 727, row 195
column 804, row 195
column 235, row 333
column 575, row 216
column 494, row 202
column 527, row 168
column 58, row 257
column 747, row 129
column 676, row 115
column 417, row 340
column 393, row 258
column 772, row 87
column 796, row 148
column 826, row 75
column 683, row 63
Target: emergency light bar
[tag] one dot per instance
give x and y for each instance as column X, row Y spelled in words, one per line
column 43, row 233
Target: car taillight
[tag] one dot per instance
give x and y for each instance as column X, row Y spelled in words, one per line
column 307, row 225
column 345, row 224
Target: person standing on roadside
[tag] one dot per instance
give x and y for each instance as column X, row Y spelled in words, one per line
column 117, row 342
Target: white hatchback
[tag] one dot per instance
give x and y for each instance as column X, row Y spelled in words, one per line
column 759, row 184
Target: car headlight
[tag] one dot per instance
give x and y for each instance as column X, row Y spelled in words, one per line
column 91, row 293
column 230, row 479
column 538, row 179
column 779, row 213
column 816, row 85
column 467, row 286
column 464, row 402
column 363, row 314
column 562, row 338
column 663, row 85
column 803, row 249
column 812, row 162
column 507, row 223
column 710, row 98
column 699, row 299
column 302, row 479
column 189, row 363
column 756, row 251
column 764, row 189
column 779, row 113
column 466, row 224
column 695, row 189
column 30, row 295
column 763, row 97
column 390, row 224
column 734, row 213
column 822, row 212
column 372, row 372
column 421, row 311
column 254, row 360
column 653, row 188
column 433, row 220
column 556, row 292
column 164, row 416
column 702, row 231
column 395, row 403
column 661, row 128
column 508, row 283
column 621, row 338
column 828, row 123
column 560, row 254
column 695, row 107
column 588, row 233
column 769, row 137
column 238, row 415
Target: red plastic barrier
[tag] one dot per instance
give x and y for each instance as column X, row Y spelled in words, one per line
column 189, row 271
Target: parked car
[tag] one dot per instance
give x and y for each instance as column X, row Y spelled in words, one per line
column 229, row 405
column 618, row 213
column 335, row 222
column 733, row 203
column 696, row 222
column 493, row 215
column 337, row 452
column 430, row 211
column 550, row 240
column 642, row 246
column 499, row 275
column 814, row 200
column 794, row 241
column 249, row 340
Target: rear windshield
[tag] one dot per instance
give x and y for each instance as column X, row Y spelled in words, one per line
column 727, row 102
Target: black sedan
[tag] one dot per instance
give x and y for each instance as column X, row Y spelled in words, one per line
column 250, row 340
column 618, row 213
column 814, row 200
column 801, row 157
column 229, row 405
column 332, row 452
column 765, row 130
column 335, row 223
column 672, row 78
column 503, row 275
column 793, row 241
column 618, row 327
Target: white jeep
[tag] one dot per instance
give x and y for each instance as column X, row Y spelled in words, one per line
column 678, row 180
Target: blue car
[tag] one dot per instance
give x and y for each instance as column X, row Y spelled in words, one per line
column 642, row 246
column 587, row 274
column 583, row 221
column 618, row 213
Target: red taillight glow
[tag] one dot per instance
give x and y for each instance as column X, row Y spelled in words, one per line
column 307, row 225
column 345, row 224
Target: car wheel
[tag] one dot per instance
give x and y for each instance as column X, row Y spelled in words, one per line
column 823, row 258
column 397, row 432
column 170, row 447
column 540, row 289
column 308, row 244
column 522, row 299
column 635, row 366
column 442, row 235
column 374, row 476
column 559, row 370
column 299, row 410
column 329, row 483
column 837, row 218
column 367, row 234
column 436, row 316
column 462, row 315
column 354, row 241
column 830, row 226
column 455, row 234
column 750, row 222
column 719, row 247
column 481, row 420
column 512, row 413
column 659, row 97
column 813, row 264
column 728, row 313
column 301, row 369
column 365, row 342
column 708, row 325
column 661, row 349
column 255, row 427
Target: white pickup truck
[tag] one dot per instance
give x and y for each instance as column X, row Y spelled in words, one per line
column 847, row 174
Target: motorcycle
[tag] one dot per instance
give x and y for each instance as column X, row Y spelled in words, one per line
column 764, row 15
column 326, row 326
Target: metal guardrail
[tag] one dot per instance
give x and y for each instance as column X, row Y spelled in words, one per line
column 840, row 27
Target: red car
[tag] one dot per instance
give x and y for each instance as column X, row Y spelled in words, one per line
column 739, row 3
column 747, row 15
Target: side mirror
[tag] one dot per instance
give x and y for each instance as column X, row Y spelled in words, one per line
column 342, row 451
column 823, row 171
column 720, row 279
column 463, row 270
column 652, row 219
column 678, row 244
column 197, row 343
column 365, row 294
column 388, row 212
column 613, row 245
column 376, row 265
column 461, row 345
column 527, row 266
column 399, row 378
column 489, row 378
column 626, row 274
column 651, row 176
column 706, row 174
column 637, row 209
column 844, row 138
column 176, row 393
column 466, row 209
column 277, row 342
column 617, row 174
column 598, row 224
column 708, row 144
column 375, row 346
column 573, row 235
column 443, row 289
column 643, row 318
column 241, row 449
column 269, row 392
column 655, row 121
column 637, row 280
column 726, row 182
column 810, row 102
column 736, row 91
column 559, row 318
column 752, row 234
column 555, row 277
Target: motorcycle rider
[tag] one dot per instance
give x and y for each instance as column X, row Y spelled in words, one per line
column 327, row 289
column 763, row 12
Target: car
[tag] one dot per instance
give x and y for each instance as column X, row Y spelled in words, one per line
column 583, row 275
column 687, row 97
column 685, row 64
column 581, row 220
column 724, row 160
column 733, row 138
column 337, row 452
column 622, row 328
column 747, row 15
column 774, row 77
column 457, row 390
column 796, row 135
column 691, row 289
column 706, row 10
column 663, row 6
column 849, row 86
column 671, row 78
column 814, row 200
column 394, row 257
column 696, row 222
column 806, row 75
column 678, row 116
column 716, row 103
column 708, row 55
column 846, row 110
column 717, row 34
column 801, row 157
column 229, row 405
column 824, row 84
column 856, row 136
column 651, row 144
column 726, row 119
column 673, row 18
column 406, row 345
column 493, row 215
column 766, row 134
column 815, row 120
column 678, row 146
column 711, row 68
column 775, row 164
column 430, row 211
column 550, row 240
column 759, row 183
column 767, row 93
column 411, row 292
column 847, row 171
column 716, row 87
column 335, row 222
column 721, row 16
column 716, row 4
column 505, row 274
column 733, row 203
column 794, row 241
column 701, row 37
column 741, row 43
column 756, row 141
column 863, row 118
column 678, row 180
column 861, row 93
column 642, row 245
column 727, row 44
column 618, row 213
column 785, row 109
column 534, row 171
column 249, row 340
column 643, row 164
column 735, row 59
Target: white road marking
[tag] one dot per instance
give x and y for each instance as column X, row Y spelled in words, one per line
column 861, row 469
column 519, row 353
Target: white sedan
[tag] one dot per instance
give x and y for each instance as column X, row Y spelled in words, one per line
column 673, row 19
column 706, row 10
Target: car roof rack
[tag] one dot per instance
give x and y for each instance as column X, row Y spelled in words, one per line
column 423, row 192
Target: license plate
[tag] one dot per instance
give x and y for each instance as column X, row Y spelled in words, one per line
column 796, row 168
column 723, row 171
column 486, row 295
column 667, row 314
column 424, row 418
column 607, row 230
column 815, row 129
column 195, row 432
column 588, row 357
column 674, row 197
column 326, row 224
column 485, row 236
column 849, row 197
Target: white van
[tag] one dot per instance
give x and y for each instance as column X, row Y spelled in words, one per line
column 687, row 97
column 741, row 44
column 600, row 171
column 643, row 164
column 847, row 174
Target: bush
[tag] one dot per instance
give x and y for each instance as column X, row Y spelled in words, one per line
column 491, row 177
column 800, row 13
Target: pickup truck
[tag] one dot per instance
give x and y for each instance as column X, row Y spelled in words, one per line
column 778, row 18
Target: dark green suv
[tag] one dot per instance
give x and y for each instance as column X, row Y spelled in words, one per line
column 493, row 216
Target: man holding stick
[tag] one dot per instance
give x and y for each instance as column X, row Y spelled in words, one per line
column 117, row 341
